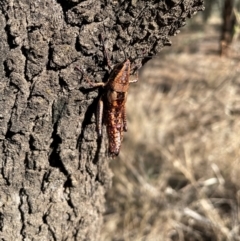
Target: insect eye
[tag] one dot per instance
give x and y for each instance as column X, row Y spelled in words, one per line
column 112, row 95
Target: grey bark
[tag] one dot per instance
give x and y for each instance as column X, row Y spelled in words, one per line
column 53, row 170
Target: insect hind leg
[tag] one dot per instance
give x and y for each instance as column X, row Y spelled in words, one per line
column 100, row 117
column 124, row 119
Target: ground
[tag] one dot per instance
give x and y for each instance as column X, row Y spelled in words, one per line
column 177, row 177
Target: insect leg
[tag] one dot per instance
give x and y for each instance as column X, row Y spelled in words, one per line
column 124, row 119
column 134, row 80
column 100, row 117
column 88, row 80
column 134, row 69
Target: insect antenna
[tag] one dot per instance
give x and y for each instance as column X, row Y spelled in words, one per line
column 125, row 55
column 133, row 24
column 105, row 52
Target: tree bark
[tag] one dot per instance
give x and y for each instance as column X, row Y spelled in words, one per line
column 54, row 170
column 209, row 4
column 229, row 21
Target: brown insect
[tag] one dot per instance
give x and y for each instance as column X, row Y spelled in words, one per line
column 111, row 109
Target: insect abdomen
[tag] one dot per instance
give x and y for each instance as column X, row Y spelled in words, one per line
column 114, row 124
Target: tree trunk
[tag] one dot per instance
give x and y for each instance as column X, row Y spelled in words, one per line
column 228, row 24
column 209, row 4
column 54, row 170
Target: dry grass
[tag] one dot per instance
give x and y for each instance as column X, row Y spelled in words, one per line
column 178, row 174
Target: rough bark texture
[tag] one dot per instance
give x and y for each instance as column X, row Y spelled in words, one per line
column 54, row 172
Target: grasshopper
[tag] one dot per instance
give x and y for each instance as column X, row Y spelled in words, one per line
column 111, row 110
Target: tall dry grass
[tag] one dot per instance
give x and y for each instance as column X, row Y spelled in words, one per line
column 178, row 174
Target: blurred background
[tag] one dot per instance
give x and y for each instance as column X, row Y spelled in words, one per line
column 178, row 173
